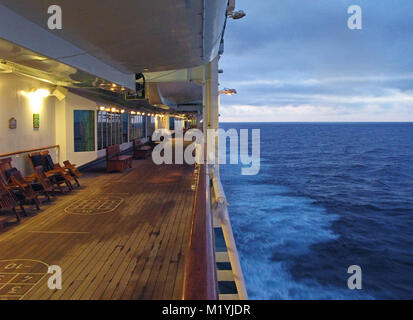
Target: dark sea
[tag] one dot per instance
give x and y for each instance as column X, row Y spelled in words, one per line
column 328, row 196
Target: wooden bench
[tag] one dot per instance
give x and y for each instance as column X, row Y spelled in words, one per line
column 141, row 150
column 115, row 161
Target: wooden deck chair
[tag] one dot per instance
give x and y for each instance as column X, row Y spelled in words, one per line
column 51, row 166
column 45, row 185
column 5, row 164
column 76, row 174
column 23, row 190
column 7, row 201
column 28, row 185
column 57, row 170
column 56, row 176
column 15, row 194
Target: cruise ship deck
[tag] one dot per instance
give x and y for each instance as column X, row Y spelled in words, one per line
column 83, row 83
column 120, row 236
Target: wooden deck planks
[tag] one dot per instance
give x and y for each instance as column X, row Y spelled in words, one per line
column 164, row 267
column 133, row 252
column 158, row 239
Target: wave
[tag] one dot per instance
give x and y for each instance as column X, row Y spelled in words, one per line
column 326, row 197
column 287, row 227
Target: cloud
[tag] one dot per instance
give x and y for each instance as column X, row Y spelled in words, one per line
column 300, row 54
column 279, row 83
column 316, row 113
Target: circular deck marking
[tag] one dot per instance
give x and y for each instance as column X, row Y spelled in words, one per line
column 19, row 276
column 94, row 206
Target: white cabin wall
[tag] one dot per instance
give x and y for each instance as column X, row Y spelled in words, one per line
column 66, row 132
column 13, row 103
column 56, row 123
column 61, row 132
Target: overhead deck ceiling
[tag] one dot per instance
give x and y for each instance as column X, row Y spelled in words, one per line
column 21, row 60
column 166, row 40
column 135, row 36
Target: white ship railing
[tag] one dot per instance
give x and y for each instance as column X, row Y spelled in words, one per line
column 220, row 212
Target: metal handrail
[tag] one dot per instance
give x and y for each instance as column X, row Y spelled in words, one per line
column 220, row 211
column 9, row 154
column 200, row 278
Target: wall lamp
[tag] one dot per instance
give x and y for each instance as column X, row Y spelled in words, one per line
column 236, row 15
column 36, row 98
column 228, row 92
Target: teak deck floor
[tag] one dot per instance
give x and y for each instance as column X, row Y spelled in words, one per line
column 121, row 236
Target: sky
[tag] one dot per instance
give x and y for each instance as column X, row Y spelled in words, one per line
column 297, row 60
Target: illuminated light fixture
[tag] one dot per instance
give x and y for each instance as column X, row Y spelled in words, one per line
column 236, row 15
column 36, row 98
column 114, row 85
column 133, row 112
column 122, row 111
column 107, row 109
column 139, row 113
column 228, row 92
column 43, row 93
column 102, row 108
column 113, row 110
column 143, row 113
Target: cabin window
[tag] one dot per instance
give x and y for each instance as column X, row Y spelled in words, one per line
column 145, row 119
column 136, row 127
column 125, row 124
column 112, row 128
column 104, row 130
column 151, row 127
column 84, row 130
column 116, row 128
column 171, row 123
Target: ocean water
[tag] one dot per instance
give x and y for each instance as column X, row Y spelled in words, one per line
column 328, row 195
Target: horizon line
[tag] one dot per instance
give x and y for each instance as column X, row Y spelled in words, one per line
column 315, row 121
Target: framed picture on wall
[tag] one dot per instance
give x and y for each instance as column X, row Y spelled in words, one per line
column 36, row 121
column 84, row 130
column 12, row 123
